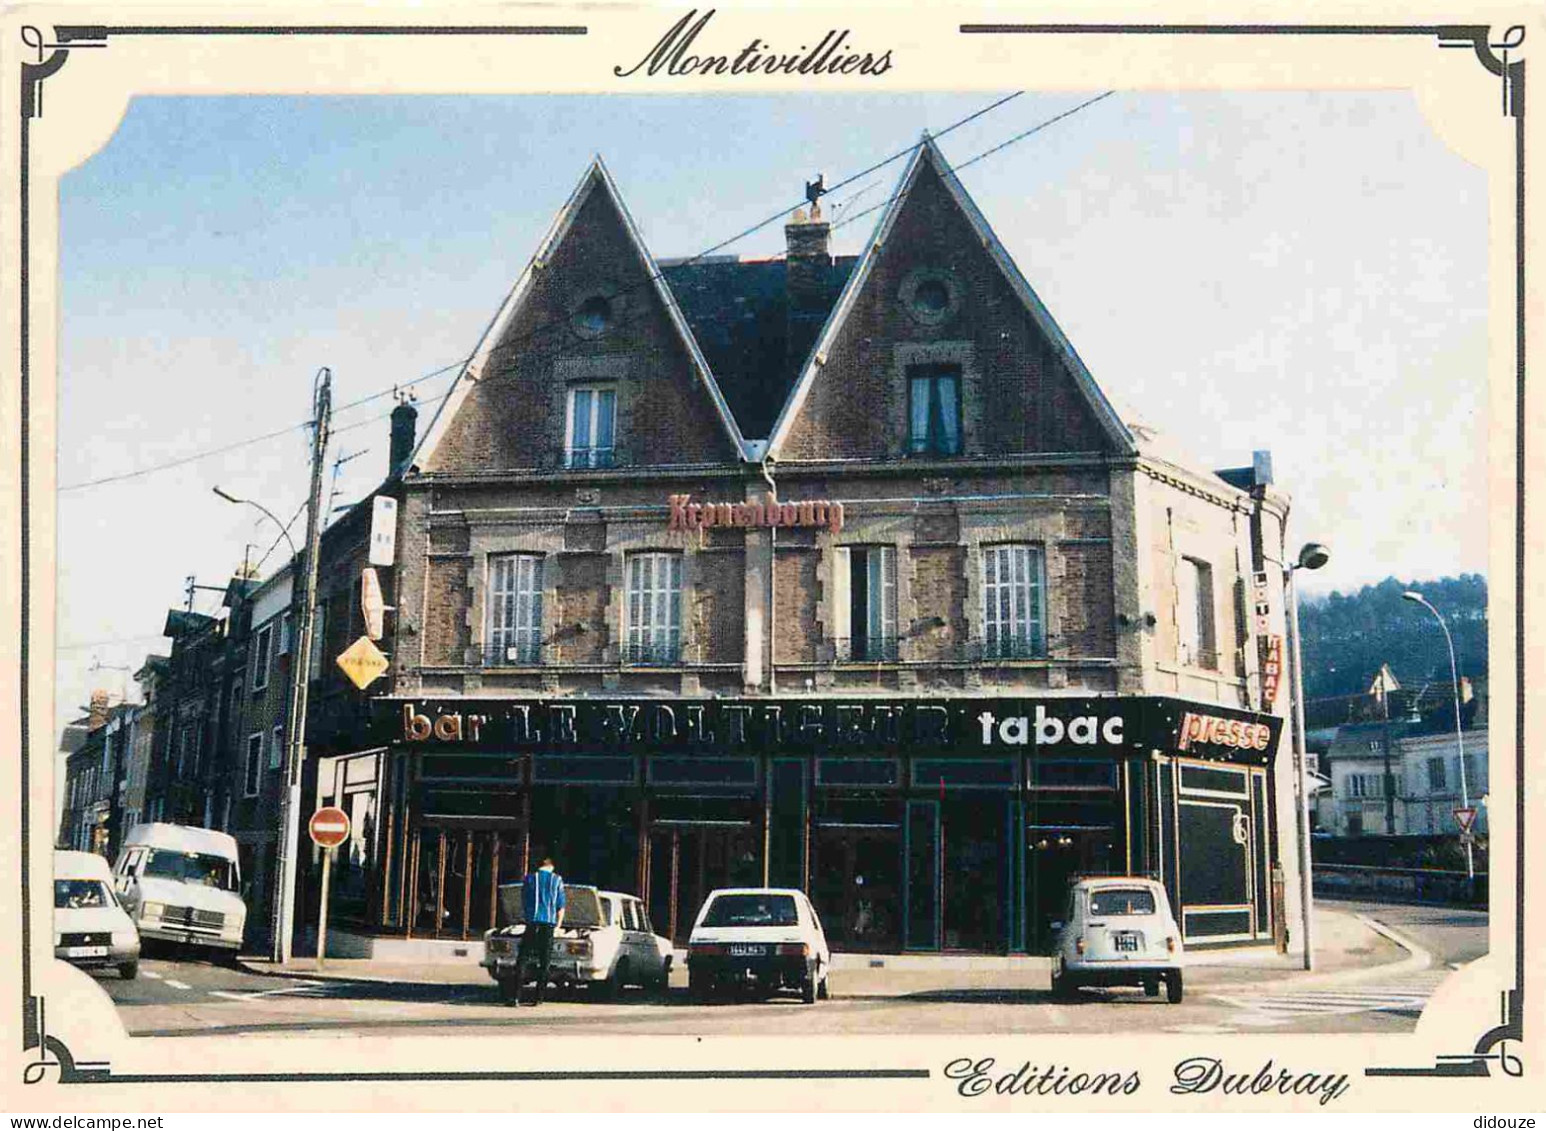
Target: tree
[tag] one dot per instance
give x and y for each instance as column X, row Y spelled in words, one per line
column 1346, row 637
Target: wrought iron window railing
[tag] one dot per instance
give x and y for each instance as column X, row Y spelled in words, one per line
column 1007, row 647
column 524, row 654
column 652, row 653
column 865, row 649
column 592, row 457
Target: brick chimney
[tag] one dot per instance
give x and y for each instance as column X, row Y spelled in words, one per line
column 96, row 713
column 405, row 421
column 807, row 278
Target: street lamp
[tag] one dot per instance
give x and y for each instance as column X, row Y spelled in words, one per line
column 283, row 529
column 1312, row 555
column 1454, row 679
column 282, row 917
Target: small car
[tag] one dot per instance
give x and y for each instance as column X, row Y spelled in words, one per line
column 758, row 939
column 1118, row 931
column 606, row 942
column 90, row 927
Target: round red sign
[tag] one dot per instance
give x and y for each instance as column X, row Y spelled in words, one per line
column 329, row 827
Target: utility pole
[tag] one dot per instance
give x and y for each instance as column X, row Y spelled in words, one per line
column 283, row 914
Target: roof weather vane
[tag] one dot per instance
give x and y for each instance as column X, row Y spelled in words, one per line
column 814, row 191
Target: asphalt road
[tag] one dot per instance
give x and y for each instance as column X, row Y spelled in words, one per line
column 1453, row 935
column 180, row 994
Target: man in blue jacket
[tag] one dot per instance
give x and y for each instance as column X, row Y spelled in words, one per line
column 542, row 904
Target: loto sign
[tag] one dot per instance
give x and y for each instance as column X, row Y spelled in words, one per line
column 688, row 515
column 362, row 662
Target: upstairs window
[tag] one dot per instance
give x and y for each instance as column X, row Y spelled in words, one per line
column 260, row 651
column 276, row 747
column 1013, row 613
column 318, row 642
column 1436, row 775
column 592, row 426
column 934, row 409
column 254, row 767
column 864, row 603
column 515, row 609
column 654, row 609
column 1197, row 642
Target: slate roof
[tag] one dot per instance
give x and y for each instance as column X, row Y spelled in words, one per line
column 739, row 313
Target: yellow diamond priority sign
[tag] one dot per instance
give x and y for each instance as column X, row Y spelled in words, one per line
column 362, row 662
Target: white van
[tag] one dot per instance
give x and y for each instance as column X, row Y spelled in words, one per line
column 181, row 884
column 90, row 928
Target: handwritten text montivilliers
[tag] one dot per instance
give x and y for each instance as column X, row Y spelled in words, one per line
column 831, row 55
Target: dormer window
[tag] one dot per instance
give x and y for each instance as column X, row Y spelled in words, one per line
column 934, row 409
column 592, row 426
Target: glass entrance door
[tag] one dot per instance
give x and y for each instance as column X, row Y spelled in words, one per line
column 454, row 875
column 856, row 883
column 975, row 895
column 687, row 861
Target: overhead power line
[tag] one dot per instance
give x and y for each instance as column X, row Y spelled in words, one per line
column 459, row 365
column 1021, row 136
column 207, row 453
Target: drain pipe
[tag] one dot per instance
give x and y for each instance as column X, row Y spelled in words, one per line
column 772, row 620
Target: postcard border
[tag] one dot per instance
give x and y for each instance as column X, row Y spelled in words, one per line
column 49, row 1052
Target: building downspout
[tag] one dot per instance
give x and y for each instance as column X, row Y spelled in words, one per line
column 767, row 475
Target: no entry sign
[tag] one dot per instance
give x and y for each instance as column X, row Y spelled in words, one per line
column 329, row 827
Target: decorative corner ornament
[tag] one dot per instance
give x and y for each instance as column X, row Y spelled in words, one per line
column 1510, row 71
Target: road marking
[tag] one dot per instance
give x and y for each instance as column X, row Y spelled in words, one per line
column 253, row 995
column 178, row 985
column 1409, row 995
column 151, row 974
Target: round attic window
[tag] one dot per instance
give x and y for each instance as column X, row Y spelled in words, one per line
column 930, row 297
column 592, row 316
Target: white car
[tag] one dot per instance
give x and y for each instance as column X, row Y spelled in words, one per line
column 760, row 939
column 90, row 928
column 1118, row 931
column 606, row 942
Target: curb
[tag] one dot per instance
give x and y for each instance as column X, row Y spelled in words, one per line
column 1417, row 958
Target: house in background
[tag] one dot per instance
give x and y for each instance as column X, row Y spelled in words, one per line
column 1395, row 765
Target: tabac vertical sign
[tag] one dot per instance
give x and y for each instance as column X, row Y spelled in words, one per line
column 1269, row 647
column 383, row 530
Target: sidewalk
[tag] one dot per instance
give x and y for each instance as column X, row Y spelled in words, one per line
column 1348, row 948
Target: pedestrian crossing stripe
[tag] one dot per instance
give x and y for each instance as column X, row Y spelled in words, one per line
column 1403, row 997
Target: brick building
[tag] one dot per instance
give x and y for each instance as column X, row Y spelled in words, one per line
column 86, row 808
column 838, row 572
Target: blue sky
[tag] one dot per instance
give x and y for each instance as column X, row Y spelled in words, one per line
column 1304, row 272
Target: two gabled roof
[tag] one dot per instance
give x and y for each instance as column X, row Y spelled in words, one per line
column 732, row 305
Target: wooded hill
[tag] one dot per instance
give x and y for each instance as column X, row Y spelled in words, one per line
column 1346, row 637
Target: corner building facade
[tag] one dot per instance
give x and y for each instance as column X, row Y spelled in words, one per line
column 839, row 573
